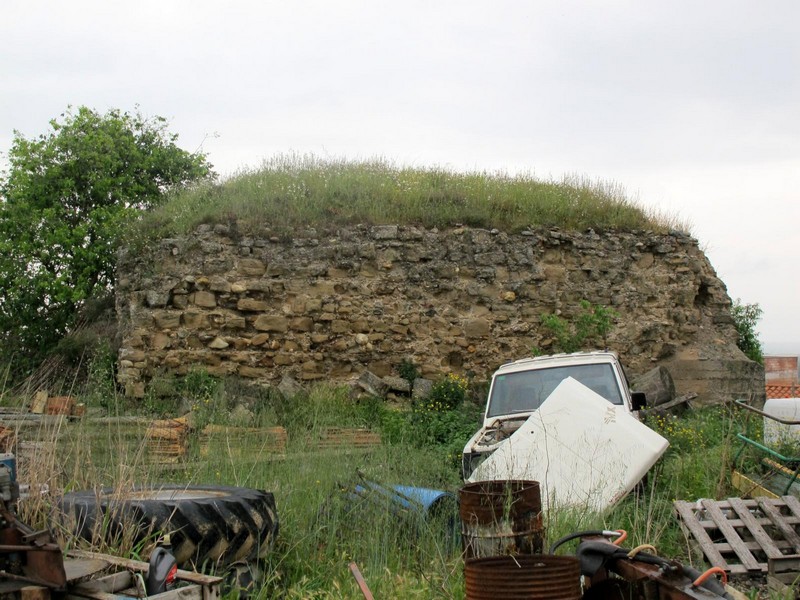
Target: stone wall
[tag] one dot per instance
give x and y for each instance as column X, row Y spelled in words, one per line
column 328, row 306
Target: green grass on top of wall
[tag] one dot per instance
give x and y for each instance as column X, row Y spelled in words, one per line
column 291, row 191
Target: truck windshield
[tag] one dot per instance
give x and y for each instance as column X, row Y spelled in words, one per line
column 524, row 391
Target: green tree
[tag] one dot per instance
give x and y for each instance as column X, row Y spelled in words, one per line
column 65, row 199
column 745, row 317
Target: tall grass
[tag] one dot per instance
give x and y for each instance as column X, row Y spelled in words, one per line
column 291, row 191
column 324, row 525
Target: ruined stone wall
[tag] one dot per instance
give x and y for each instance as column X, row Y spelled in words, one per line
column 328, row 306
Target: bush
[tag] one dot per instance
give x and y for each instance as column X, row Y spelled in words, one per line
column 590, row 326
column 443, row 421
column 446, row 394
column 745, row 318
column 408, row 371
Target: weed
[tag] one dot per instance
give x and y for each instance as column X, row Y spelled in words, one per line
column 101, row 388
column 589, row 326
column 325, row 525
column 408, row 370
column 199, row 384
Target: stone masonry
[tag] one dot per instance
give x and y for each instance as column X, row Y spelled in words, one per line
column 328, row 306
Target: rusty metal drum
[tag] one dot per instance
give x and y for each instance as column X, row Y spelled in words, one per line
column 500, row 518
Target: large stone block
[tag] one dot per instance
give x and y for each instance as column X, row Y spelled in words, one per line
column 477, row 328
column 218, row 344
column 385, row 232
column 180, row 301
column 253, row 372
column 236, row 322
column 258, row 285
column 284, row 359
column 194, row 320
column 167, row 319
column 204, row 299
column 273, row 323
column 360, row 326
column 277, row 270
column 219, row 284
column 289, row 388
column 156, row 298
column 217, row 264
column 340, row 326
column 372, row 384
column 718, row 380
column 252, row 305
column 160, row 341
column 251, row 267
column 302, row 324
column 133, row 356
column 259, row 339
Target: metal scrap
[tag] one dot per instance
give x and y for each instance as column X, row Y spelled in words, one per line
column 501, row 517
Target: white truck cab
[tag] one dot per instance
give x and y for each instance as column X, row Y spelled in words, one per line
column 519, row 388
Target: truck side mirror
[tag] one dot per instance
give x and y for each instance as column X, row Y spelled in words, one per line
column 638, row 401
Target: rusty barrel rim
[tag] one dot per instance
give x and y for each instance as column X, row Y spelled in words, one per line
column 540, row 576
column 486, row 502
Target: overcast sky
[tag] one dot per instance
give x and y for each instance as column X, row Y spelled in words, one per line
column 693, row 107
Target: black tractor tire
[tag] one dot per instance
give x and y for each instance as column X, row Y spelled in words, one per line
column 208, row 525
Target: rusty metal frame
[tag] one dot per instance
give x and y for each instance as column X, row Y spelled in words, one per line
column 195, row 586
column 40, row 560
column 653, row 582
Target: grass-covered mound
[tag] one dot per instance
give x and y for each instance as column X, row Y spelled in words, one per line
column 291, row 191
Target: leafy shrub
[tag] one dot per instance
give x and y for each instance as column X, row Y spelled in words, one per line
column 590, row 326
column 75, row 348
column 449, row 430
column 408, row 370
column 447, row 394
column 444, row 421
column 683, row 435
column 394, row 426
column 745, row 318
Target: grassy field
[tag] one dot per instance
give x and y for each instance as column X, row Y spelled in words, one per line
column 292, row 191
column 321, row 532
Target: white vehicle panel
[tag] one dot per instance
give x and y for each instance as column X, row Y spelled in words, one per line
column 583, row 451
column 776, row 433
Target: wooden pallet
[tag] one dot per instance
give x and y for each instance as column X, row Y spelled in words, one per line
column 253, row 442
column 335, row 438
column 744, row 536
column 167, row 440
